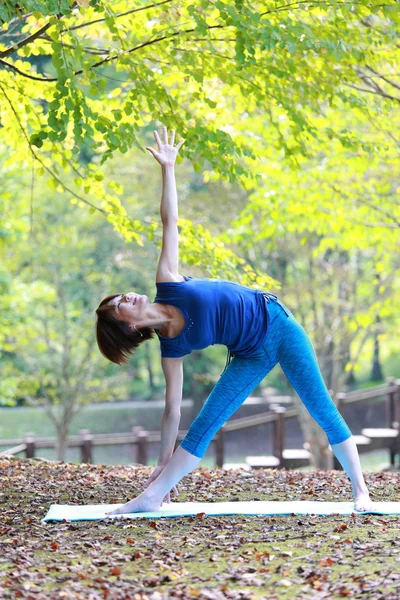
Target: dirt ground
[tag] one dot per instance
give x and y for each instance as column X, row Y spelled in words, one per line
column 237, row 557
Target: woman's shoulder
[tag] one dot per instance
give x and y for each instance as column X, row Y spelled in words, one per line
column 171, row 278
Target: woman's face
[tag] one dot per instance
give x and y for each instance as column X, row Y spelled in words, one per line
column 130, row 307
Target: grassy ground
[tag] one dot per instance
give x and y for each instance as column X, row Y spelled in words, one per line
column 235, row 557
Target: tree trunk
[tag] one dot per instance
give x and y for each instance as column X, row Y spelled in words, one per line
column 314, row 436
column 282, row 263
column 376, row 373
column 351, row 380
column 63, row 424
column 329, row 367
column 61, row 448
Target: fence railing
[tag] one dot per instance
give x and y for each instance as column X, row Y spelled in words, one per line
column 140, row 439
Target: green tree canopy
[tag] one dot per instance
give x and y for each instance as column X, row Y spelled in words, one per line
column 243, row 83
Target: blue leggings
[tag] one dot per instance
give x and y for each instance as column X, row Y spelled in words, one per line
column 286, row 342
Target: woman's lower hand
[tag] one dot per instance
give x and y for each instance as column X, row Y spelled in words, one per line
column 159, row 468
column 167, row 498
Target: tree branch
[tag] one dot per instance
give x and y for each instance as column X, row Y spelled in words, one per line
column 14, row 68
column 42, row 163
column 373, row 84
column 65, row 187
column 372, row 92
column 370, row 204
column 86, row 370
column 364, row 224
column 278, row 8
column 128, row 12
column 162, row 38
column 84, row 48
column 24, row 42
column 395, row 85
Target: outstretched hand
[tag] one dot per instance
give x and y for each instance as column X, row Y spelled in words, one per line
column 167, row 152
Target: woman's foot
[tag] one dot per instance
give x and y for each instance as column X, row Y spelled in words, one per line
column 362, row 501
column 143, row 503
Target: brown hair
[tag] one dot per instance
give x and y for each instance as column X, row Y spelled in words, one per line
column 115, row 339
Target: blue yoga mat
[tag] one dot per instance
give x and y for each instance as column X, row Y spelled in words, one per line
column 94, row 512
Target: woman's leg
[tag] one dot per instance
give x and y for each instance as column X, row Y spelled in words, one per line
column 299, row 362
column 229, row 393
column 231, row 390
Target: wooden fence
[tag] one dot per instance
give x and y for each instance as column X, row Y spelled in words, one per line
column 140, row 439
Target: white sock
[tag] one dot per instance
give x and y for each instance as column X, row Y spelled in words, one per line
column 347, row 454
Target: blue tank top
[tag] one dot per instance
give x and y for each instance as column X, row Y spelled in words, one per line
column 217, row 312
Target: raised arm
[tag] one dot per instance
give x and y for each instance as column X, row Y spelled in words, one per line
column 167, row 270
column 166, row 155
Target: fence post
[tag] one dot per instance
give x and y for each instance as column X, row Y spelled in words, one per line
column 135, row 429
column 86, row 445
column 340, row 401
column 397, row 405
column 29, row 440
column 340, row 398
column 396, row 419
column 390, row 403
column 141, row 444
column 390, row 413
column 219, row 447
column 279, row 433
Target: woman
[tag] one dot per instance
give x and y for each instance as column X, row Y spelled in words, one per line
column 193, row 313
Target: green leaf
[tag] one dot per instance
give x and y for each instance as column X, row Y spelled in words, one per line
column 35, row 140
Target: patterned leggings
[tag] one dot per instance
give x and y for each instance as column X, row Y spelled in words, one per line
column 286, row 342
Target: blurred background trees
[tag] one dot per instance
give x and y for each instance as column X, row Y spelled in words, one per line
column 288, row 181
